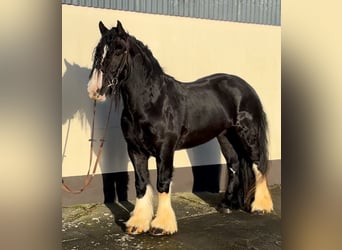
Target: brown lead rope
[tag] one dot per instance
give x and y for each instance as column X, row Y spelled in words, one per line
column 89, row 177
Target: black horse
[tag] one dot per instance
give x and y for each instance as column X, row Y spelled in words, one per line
column 162, row 115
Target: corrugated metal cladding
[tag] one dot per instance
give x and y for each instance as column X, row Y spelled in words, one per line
column 246, row 11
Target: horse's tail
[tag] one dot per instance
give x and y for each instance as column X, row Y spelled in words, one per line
column 247, row 181
column 263, row 143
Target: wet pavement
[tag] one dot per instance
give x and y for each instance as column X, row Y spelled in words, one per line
column 200, row 226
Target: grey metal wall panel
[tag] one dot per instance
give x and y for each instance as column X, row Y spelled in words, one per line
column 247, row 11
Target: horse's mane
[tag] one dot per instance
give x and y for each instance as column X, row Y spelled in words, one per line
column 150, row 63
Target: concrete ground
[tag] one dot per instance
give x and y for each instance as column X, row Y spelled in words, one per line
column 200, row 226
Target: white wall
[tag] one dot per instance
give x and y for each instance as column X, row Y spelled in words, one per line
column 187, row 49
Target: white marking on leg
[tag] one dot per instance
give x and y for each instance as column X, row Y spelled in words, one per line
column 165, row 218
column 262, row 199
column 142, row 214
column 95, row 84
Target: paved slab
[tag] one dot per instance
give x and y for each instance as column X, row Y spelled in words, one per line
column 200, row 226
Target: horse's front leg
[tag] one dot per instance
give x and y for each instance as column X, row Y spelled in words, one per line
column 165, row 222
column 141, row 216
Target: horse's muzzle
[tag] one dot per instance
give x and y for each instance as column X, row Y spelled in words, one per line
column 96, row 96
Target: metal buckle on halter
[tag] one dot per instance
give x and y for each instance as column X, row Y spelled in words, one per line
column 114, row 82
column 112, row 85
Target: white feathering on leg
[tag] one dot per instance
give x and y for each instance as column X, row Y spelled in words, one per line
column 262, row 199
column 165, row 218
column 142, row 214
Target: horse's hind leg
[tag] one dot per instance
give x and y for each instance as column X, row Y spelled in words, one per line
column 262, row 199
column 232, row 197
column 255, row 144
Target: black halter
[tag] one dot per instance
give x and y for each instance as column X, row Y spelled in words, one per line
column 115, row 80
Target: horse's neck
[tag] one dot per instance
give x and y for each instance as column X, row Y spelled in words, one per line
column 138, row 87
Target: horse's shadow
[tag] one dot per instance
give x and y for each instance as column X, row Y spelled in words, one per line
column 114, row 157
column 121, row 212
column 210, row 177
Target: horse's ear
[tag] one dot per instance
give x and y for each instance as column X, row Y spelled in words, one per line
column 102, row 27
column 67, row 64
column 120, row 29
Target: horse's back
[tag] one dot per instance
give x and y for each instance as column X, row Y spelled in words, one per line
column 221, row 82
column 233, row 92
column 213, row 105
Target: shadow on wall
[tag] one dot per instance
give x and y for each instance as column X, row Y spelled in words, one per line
column 206, row 178
column 114, row 157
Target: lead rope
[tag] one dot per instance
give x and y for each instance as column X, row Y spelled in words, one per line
column 89, row 177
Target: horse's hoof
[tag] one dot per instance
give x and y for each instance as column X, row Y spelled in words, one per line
column 134, row 230
column 159, row 232
column 261, row 212
column 224, row 210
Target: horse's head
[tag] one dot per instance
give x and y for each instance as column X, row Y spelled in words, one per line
column 110, row 62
